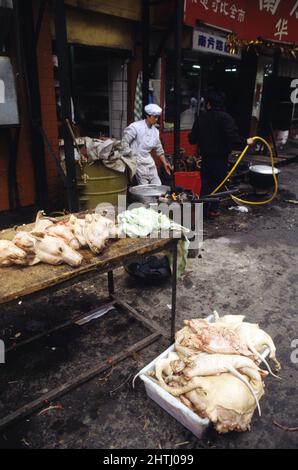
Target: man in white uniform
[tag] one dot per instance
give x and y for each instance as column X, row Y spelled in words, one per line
column 141, row 138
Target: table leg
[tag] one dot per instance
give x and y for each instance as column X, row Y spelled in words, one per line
column 111, row 283
column 174, row 293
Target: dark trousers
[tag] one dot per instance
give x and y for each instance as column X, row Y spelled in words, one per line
column 214, row 169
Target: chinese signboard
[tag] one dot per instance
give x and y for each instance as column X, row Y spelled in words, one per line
column 275, row 20
column 208, row 42
column 9, row 115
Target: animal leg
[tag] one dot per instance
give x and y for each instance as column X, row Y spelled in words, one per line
column 237, row 374
column 262, row 359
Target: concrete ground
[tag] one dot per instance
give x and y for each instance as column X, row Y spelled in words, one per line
column 248, row 266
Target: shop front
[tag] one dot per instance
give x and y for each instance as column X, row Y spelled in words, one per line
column 27, row 173
column 275, row 110
column 101, row 41
column 260, row 88
column 207, row 65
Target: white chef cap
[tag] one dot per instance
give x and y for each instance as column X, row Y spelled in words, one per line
column 153, row 110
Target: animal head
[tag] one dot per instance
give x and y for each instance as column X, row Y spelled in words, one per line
column 50, row 248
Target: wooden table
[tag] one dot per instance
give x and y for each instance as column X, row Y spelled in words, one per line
column 17, row 282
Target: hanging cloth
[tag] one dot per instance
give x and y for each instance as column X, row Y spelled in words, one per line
column 138, row 105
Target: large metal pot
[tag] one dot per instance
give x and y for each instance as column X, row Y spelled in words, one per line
column 147, row 193
column 261, row 176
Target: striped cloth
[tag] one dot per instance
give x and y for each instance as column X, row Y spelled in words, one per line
column 138, row 105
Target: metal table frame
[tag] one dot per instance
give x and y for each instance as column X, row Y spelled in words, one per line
column 155, row 333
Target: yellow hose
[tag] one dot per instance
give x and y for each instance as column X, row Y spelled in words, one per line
column 236, row 199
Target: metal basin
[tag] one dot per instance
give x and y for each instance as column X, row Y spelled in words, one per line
column 261, row 176
column 148, row 193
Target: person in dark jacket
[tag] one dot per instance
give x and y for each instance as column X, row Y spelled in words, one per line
column 216, row 134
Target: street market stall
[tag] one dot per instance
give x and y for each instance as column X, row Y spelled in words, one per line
column 17, row 282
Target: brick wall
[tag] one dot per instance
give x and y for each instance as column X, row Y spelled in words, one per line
column 24, row 171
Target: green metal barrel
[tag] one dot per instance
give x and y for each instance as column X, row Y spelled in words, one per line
column 98, row 184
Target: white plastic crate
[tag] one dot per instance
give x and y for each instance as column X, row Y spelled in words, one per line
column 171, row 404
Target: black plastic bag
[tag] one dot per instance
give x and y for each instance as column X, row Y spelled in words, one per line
column 150, row 269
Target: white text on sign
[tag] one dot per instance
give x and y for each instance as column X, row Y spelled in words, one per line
column 2, row 92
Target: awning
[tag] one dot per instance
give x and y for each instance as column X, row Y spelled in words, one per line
column 274, row 20
column 95, row 29
column 127, row 9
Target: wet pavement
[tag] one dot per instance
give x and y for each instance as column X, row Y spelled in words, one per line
column 248, row 266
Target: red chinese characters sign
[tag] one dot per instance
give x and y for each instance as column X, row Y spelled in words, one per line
column 275, row 20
